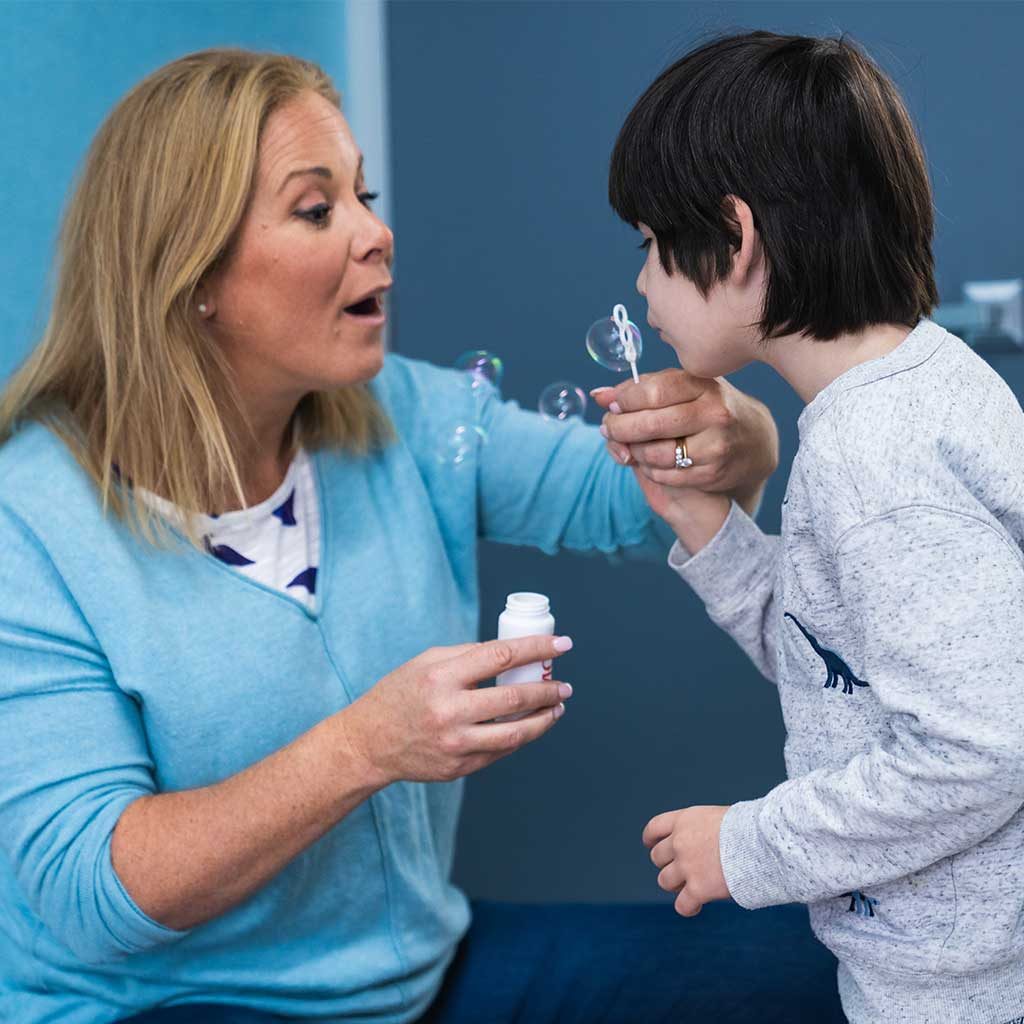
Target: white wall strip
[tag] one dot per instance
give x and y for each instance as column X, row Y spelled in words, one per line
column 366, row 93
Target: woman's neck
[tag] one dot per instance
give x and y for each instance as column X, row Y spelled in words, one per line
column 270, row 448
column 261, row 479
column 809, row 365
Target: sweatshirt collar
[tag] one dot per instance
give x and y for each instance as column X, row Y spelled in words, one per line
column 916, row 348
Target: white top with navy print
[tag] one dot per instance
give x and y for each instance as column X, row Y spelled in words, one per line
column 277, row 542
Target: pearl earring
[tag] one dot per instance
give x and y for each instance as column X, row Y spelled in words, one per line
column 202, row 307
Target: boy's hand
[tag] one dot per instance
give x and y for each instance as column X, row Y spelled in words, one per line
column 684, row 844
column 730, row 436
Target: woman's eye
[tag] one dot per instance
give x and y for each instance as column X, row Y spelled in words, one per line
column 368, row 197
column 317, row 215
column 645, row 244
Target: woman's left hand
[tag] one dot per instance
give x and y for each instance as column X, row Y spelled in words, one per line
column 684, row 845
column 730, row 436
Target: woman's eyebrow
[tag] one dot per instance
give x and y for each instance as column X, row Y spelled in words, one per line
column 321, row 172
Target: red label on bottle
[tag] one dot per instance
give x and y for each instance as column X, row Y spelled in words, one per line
column 546, row 665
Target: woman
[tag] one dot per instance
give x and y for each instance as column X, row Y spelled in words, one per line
column 236, row 693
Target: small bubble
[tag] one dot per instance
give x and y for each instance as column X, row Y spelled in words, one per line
column 458, row 444
column 562, row 401
column 482, row 367
column 605, row 346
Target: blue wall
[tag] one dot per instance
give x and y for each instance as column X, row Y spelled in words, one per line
column 63, row 66
column 503, row 118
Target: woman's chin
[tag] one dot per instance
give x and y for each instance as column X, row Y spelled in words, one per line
column 371, row 361
column 358, row 368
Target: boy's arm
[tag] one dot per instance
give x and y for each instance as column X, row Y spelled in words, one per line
column 938, row 598
column 731, row 564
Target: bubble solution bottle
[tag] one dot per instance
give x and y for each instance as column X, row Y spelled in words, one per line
column 526, row 615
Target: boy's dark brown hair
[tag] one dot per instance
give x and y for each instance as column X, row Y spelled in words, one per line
column 816, row 140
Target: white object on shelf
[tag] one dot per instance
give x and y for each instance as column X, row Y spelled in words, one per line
column 1001, row 304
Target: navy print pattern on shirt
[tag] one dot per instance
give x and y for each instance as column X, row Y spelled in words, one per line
column 271, row 546
column 226, row 554
column 861, row 904
column 306, row 578
column 836, row 667
column 286, row 511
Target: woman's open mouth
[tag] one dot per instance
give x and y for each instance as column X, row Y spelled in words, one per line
column 368, row 307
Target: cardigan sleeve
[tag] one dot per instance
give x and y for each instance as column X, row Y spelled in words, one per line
column 553, row 485
column 520, row 479
column 73, row 756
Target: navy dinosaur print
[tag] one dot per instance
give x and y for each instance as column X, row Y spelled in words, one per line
column 836, row 667
column 861, row 904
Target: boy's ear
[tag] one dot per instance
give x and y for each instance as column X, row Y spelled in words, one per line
column 746, row 242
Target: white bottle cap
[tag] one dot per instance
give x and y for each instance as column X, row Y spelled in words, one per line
column 528, row 604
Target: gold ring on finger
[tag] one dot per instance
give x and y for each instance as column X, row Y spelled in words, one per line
column 683, row 460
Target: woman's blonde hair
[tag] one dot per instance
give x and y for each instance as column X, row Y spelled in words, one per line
column 124, row 373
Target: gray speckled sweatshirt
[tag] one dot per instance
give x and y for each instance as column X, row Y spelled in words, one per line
column 890, row 613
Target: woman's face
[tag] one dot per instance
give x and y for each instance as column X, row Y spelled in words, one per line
column 297, row 304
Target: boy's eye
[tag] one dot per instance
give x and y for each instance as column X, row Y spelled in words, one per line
column 317, row 215
column 645, row 244
column 368, row 197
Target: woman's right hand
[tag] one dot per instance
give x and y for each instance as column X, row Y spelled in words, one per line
column 428, row 722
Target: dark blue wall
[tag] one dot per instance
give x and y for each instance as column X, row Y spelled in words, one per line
column 503, row 118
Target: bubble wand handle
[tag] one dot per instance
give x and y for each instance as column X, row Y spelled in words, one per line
column 621, row 318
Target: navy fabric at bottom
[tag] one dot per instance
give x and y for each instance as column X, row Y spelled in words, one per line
column 628, row 964
column 616, row 964
column 205, row 1013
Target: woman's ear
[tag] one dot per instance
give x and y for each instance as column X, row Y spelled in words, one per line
column 747, row 253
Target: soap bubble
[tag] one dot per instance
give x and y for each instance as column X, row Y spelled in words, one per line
column 482, row 367
column 458, row 444
column 562, row 401
column 605, row 346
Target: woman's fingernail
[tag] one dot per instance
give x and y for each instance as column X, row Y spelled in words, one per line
column 598, row 391
column 563, row 644
column 604, row 430
column 615, row 408
column 623, row 454
column 558, row 710
column 564, row 690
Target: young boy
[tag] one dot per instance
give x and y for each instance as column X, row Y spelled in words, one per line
column 784, row 201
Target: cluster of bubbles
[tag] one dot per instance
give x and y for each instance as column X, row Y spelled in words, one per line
column 460, row 440
column 613, row 341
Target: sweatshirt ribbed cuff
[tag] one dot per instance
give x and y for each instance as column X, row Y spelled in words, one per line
column 749, row 866
column 723, row 572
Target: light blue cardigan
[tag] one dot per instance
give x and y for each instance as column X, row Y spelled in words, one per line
column 126, row 670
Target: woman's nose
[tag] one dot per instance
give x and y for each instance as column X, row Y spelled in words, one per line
column 375, row 240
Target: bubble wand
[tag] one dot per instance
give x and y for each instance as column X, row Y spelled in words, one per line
column 625, row 329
